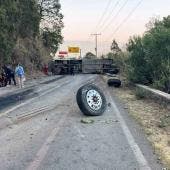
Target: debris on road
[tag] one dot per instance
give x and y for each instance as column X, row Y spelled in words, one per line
column 87, row 121
column 90, row 121
column 109, row 105
column 108, row 121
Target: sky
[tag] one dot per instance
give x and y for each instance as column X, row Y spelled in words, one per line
column 114, row 19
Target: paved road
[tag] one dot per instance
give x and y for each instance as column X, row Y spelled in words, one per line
column 55, row 139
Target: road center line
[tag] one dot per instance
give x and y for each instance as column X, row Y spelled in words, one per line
column 143, row 164
column 45, row 147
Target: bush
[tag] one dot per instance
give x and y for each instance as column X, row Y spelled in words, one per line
column 149, row 56
column 140, row 93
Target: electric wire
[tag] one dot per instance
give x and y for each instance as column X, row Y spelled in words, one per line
column 104, row 13
column 126, row 18
column 114, row 17
column 110, row 14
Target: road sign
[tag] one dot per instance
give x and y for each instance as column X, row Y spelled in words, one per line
column 73, row 49
column 63, row 52
column 61, row 56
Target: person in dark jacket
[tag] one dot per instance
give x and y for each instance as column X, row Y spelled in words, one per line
column 9, row 73
column 3, row 81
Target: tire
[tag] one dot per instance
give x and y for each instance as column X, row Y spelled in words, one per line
column 85, row 100
column 114, row 71
column 114, row 82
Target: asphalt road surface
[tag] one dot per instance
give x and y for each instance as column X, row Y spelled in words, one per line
column 46, row 133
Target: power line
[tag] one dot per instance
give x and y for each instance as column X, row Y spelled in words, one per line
column 104, row 13
column 121, row 8
column 110, row 14
column 127, row 17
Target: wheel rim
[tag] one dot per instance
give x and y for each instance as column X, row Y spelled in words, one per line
column 94, row 99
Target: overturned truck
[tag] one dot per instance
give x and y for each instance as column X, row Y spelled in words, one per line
column 88, row 66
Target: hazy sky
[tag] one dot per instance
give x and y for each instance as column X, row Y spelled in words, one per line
column 83, row 17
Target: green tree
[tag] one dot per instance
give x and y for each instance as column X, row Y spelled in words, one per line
column 21, row 38
column 137, row 65
column 90, row 55
column 51, row 23
column 157, row 52
column 8, row 20
column 51, row 39
column 149, row 59
column 29, row 18
column 115, row 48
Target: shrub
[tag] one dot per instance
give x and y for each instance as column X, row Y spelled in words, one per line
column 140, row 93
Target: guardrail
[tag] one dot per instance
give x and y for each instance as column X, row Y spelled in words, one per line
column 159, row 96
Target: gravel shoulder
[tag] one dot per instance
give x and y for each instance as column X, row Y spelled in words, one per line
column 152, row 117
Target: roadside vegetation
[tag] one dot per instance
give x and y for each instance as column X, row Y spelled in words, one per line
column 147, row 58
column 153, row 118
column 147, row 61
column 30, row 31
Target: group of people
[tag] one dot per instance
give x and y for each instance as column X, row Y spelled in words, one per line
column 9, row 74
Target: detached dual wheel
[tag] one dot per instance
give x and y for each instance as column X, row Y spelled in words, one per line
column 114, row 82
column 91, row 100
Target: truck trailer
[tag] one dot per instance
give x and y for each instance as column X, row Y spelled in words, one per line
column 86, row 66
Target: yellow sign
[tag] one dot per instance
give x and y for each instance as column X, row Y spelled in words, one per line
column 73, row 49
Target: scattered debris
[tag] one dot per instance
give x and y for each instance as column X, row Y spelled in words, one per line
column 108, row 121
column 87, row 121
column 90, row 121
column 109, row 105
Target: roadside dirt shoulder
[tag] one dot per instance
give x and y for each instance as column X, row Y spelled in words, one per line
column 152, row 117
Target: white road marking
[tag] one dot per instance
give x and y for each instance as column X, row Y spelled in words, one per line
column 143, row 164
column 30, row 100
column 45, row 147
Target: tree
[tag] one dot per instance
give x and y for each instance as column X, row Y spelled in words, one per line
column 8, row 25
column 157, row 49
column 29, row 18
column 90, row 55
column 21, row 38
column 115, row 48
column 51, row 39
column 137, row 65
column 51, row 23
column 149, row 59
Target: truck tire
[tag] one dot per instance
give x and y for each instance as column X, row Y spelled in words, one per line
column 114, row 71
column 114, row 82
column 91, row 100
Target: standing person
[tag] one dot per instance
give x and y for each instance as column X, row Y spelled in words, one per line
column 19, row 71
column 3, row 78
column 45, row 69
column 9, row 74
column 3, row 81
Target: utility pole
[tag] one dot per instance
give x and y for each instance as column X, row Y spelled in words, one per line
column 96, row 36
column 80, row 53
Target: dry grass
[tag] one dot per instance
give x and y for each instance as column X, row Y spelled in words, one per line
column 34, row 75
column 154, row 119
